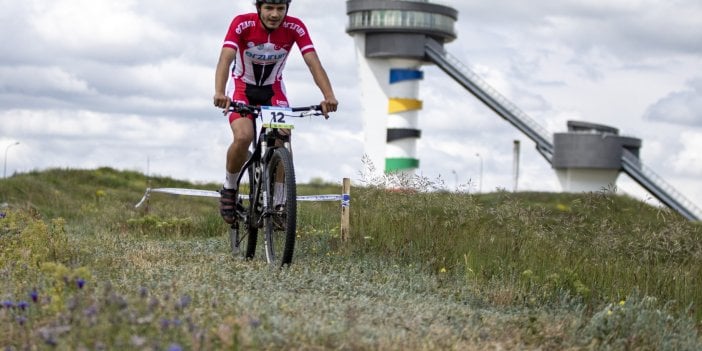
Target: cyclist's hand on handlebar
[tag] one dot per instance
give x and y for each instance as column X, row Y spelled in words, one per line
column 221, row 101
column 329, row 105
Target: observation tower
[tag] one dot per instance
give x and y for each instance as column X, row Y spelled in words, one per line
column 390, row 37
column 588, row 158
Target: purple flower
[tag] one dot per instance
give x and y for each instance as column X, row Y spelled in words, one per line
column 90, row 311
column 34, row 294
column 254, row 322
column 80, row 282
column 165, row 323
column 2, row 215
column 8, row 304
column 21, row 320
column 23, row 305
column 175, row 347
column 143, row 292
column 184, row 301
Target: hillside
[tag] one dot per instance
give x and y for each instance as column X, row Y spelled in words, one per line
column 423, row 270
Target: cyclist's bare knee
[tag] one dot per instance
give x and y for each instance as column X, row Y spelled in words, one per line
column 242, row 131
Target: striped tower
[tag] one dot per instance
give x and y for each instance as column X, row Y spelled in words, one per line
column 389, row 37
column 403, row 117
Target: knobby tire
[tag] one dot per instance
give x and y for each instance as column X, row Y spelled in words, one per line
column 280, row 242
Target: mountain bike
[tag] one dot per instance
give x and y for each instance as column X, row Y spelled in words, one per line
column 271, row 202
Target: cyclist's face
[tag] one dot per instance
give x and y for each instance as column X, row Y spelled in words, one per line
column 272, row 15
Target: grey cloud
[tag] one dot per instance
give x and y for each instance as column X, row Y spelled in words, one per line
column 632, row 32
column 679, row 107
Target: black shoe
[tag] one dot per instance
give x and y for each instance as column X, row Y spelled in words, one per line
column 279, row 217
column 227, row 204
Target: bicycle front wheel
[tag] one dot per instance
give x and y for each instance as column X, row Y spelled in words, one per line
column 280, row 221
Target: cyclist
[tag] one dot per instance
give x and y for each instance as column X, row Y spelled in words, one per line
column 259, row 44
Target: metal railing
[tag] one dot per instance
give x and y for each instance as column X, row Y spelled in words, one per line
column 658, row 187
column 631, row 164
column 491, row 97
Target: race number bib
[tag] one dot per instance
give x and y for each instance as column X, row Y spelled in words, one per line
column 277, row 117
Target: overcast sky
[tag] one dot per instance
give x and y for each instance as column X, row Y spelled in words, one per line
column 126, row 84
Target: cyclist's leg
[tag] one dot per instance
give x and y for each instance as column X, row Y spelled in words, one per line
column 237, row 153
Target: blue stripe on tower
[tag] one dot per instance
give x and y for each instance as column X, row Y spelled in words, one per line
column 402, row 74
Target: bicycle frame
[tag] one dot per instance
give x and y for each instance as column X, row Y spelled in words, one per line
column 264, row 146
column 261, row 149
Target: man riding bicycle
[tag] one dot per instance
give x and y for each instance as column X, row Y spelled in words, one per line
column 259, row 44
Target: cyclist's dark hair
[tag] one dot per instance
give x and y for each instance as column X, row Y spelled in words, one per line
column 261, row 2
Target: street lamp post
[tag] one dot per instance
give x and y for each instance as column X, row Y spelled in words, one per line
column 480, row 186
column 4, row 170
column 455, row 178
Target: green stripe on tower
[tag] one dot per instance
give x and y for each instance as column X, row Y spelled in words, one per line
column 400, row 164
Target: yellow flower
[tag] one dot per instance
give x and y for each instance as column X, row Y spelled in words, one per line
column 563, row 208
column 442, row 270
column 622, row 303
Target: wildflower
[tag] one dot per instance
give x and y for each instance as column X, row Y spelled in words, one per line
column 22, row 305
column 184, row 302
column 153, row 303
column 254, row 322
column 143, row 292
column 100, row 193
column 21, row 320
column 8, row 304
column 175, row 347
column 563, row 208
column 34, row 294
column 2, row 215
column 442, row 270
column 165, row 323
column 80, row 282
column 622, row 303
column 90, row 311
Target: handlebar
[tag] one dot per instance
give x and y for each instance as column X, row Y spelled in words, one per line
column 315, row 110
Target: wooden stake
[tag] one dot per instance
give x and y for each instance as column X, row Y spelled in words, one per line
column 345, row 209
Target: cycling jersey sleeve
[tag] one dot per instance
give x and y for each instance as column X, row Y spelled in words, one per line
column 236, row 28
column 301, row 34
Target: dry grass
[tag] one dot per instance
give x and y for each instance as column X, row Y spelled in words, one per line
column 424, row 271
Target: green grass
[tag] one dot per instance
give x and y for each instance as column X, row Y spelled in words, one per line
column 80, row 268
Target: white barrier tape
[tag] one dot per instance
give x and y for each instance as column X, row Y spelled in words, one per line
column 319, row 198
column 189, row 192
column 344, row 198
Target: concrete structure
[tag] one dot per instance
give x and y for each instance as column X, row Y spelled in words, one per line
column 394, row 38
column 390, row 37
column 589, row 156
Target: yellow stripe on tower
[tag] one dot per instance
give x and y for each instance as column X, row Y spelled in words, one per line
column 397, row 105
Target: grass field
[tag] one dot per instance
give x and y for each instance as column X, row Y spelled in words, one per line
column 81, row 269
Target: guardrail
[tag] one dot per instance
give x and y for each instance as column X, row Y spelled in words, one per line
column 344, row 198
column 658, row 187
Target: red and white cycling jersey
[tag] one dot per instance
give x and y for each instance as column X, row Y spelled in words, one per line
column 261, row 56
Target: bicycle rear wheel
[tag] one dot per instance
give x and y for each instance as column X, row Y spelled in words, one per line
column 281, row 219
column 244, row 232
